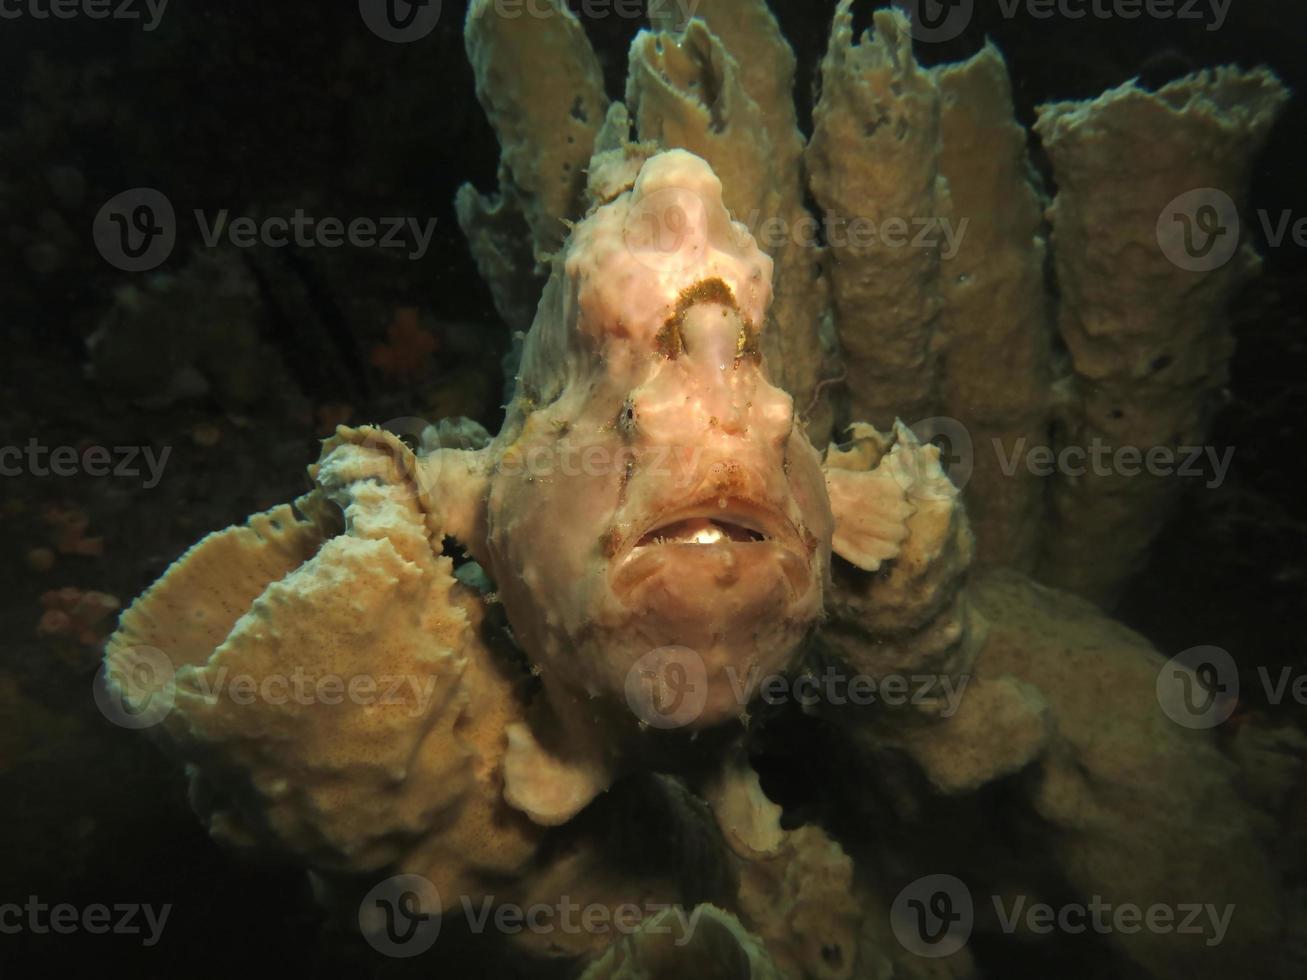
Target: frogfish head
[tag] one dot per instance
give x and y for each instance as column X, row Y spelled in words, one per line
column 653, row 490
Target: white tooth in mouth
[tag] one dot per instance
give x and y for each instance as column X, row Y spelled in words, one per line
column 707, row 535
column 701, row 530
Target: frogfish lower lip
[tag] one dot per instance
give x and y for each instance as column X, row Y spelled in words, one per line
column 729, row 537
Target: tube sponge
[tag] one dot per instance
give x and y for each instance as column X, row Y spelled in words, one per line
column 546, row 135
column 1148, row 339
column 874, row 156
column 995, row 307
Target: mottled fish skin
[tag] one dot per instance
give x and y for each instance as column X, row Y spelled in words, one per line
column 651, row 487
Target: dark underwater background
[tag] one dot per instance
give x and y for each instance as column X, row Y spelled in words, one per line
column 259, row 106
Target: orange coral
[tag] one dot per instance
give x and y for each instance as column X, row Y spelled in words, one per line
column 68, row 535
column 71, row 613
column 408, row 346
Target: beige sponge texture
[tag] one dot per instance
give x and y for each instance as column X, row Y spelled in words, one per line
column 332, row 696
